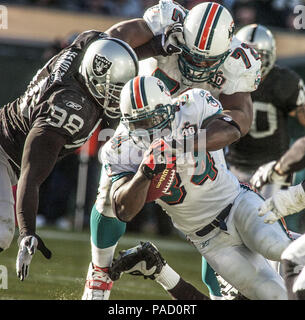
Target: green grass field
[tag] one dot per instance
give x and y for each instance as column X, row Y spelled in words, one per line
column 63, row 277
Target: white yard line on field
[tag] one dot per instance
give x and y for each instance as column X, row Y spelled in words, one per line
column 126, row 240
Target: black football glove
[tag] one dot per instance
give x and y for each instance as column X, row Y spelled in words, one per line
column 172, row 38
column 158, row 158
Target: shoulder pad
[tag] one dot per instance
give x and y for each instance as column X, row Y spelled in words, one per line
column 241, row 69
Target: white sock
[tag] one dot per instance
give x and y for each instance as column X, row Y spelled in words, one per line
column 102, row 257
column 168, row 278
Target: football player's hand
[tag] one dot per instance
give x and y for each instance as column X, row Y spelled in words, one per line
column 157, row 158
column 266, row 174
column 27, row 248
column 283, row 203
column 172, row 38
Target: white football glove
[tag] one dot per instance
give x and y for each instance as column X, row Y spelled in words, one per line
column 266, row 174
column 283, row 203
column 172, row 38
column 27, row 248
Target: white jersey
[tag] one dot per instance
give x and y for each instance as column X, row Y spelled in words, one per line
column 203, row 187
column 240, row 71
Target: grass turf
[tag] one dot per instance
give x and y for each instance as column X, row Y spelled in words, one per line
column 63, row 276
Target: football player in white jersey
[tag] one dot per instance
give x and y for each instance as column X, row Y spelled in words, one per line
column 282, row 204
column 190, row 49
column 206, row 202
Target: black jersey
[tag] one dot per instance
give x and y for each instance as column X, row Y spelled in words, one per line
column 55, row 99
column 281, row 92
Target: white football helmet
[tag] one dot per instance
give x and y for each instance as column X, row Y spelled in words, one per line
column 107, row 65
column 146, row 105
column 262, row 40
column 208, row 30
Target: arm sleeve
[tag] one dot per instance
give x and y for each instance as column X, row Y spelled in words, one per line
column 40, row 154
column 86, row 37
column 294, row 159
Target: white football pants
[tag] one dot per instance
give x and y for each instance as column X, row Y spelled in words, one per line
column 240, row 254
column 7, row 218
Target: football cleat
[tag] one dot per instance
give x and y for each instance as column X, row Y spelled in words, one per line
column 142, row 260
column 228, row 291
column 98, row 284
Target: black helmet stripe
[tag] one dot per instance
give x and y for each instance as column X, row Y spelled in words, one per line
column 208, row 47
column 253, row 33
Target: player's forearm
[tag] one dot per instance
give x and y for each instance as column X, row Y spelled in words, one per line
column 239, row 106
column 130, row 197
column 293, row 160
column 27, row 206
column 135, row 32
column 40, row 153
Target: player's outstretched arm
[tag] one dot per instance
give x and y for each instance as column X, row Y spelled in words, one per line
column 139, row 36
column 135, row 32
column 278, row 171
column 283, row 203
column 40, row 153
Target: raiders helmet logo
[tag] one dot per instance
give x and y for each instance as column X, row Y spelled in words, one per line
column 100, row 65
column 162, row 88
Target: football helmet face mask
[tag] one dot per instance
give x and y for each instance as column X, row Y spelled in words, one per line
column 107, row 65
column 146, row 108
column 262, row 40
column 208, row 30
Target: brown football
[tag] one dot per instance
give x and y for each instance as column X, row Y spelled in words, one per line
column 161, row 184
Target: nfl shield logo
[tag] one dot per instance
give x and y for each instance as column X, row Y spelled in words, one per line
column 100, row 65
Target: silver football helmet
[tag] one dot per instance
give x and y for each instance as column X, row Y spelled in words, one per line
column 262, row 40
column 107, row 65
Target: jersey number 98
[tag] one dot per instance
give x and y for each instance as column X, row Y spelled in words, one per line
column 72, row 123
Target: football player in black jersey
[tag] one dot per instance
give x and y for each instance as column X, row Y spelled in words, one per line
column 60, row 109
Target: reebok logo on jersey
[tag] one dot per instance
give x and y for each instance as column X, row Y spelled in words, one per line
column 100, row 65
column 74, row 105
